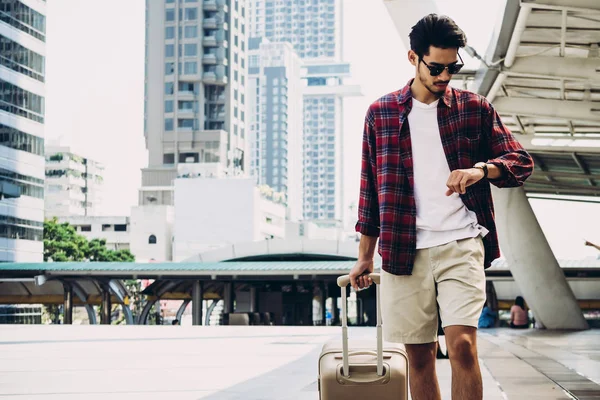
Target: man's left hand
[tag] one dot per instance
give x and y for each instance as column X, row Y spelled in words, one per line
column 461, row 179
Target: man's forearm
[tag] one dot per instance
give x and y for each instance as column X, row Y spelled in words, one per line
column 366, row 248
column 494, row 172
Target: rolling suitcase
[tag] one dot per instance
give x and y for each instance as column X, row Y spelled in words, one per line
column 355, row 371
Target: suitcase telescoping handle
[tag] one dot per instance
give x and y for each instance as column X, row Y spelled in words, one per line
column 342, row 282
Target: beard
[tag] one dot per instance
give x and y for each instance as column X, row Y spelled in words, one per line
column 433, row 89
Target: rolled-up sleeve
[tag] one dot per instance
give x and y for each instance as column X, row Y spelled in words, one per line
column 505, row 151
column 368, row 204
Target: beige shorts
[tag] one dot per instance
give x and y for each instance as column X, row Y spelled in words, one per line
column 450, row 275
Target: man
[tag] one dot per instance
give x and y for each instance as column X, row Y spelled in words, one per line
column 429, row 155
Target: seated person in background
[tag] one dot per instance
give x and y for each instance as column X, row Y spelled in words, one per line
column 488, row 317
column 518, row 314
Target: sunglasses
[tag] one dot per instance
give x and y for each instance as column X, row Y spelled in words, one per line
column 435, row 70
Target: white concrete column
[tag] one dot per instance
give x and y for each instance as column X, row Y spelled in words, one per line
column 532, row 263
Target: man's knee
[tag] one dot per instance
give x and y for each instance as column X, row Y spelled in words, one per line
column 421, row 357
column 462, row 349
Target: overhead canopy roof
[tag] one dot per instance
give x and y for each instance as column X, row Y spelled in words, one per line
column 30, row 291
column 151, row 270
column 543, row 77
column 214, row 270
column 545, row 83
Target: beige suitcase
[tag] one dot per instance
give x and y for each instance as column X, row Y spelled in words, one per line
column 362, row 369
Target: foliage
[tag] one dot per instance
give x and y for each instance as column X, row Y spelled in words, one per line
column 63, row 243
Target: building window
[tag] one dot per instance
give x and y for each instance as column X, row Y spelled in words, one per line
column 189, row 87
column 18, row 140
column 18, row 101
column 170, row 15
column 169, row 106
column 168, row 124
column 106, row 227
column 22, row 17
column 169, row 158
column 187, row 123
column 120, row 227
column 86, row 228
column 191, row 49
column 191, row 32
column 152, row 239
column 169, row 50
column 168, row 88
column 169, row 68
column 254, row 61
column 170, row 32
column 191, row 14
column 21, row 59
column 190, row 68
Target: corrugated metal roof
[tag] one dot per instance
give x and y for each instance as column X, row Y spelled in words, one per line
column 227, row 266
column 234, row 266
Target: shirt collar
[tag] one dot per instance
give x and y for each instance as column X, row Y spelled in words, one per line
column 406, row 94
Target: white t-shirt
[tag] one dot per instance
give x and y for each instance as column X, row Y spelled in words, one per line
column 441, row 219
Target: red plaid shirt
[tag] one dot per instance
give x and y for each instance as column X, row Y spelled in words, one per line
column 470, row 130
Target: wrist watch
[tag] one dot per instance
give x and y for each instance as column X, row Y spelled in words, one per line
column 482, row 166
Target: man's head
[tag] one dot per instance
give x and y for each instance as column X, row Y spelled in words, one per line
column 434, row 44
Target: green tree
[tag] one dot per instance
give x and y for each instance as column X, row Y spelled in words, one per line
column 63, row 243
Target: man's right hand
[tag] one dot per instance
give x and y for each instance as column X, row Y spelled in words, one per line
column 358, row 277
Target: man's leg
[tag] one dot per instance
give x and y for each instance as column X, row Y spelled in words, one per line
column 422, row 376
column 466, row 374
column 461, row 295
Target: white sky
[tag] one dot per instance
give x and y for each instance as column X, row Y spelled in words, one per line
column 95, row 91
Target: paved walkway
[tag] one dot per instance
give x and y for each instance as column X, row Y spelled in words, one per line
column 226, row 363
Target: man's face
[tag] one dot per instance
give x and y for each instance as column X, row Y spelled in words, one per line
column 435, row 84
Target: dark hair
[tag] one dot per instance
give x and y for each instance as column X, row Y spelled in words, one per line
column 437, row 31
column 519, row 301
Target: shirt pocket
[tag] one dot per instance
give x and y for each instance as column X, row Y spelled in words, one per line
column 469, row 145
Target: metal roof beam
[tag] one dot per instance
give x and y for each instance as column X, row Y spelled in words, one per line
column 542, row 167
column 569, row 5
column 555, row 174
column 548, row 188
column 527, row 142
column 566, row 109
column 569, row 68
column 560, row 185
column 582, row 166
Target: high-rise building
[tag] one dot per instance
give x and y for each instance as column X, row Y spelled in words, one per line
column 195, row 91
column 22, row 74
column 275, row 124
column 73, row 183
column 314, row 28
